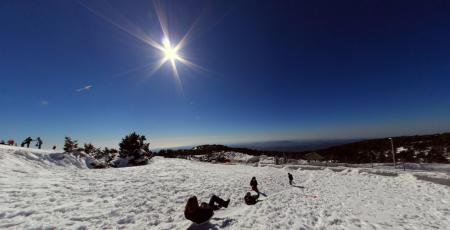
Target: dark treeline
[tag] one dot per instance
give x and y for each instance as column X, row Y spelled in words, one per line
column 418, row 149
column 208, row 149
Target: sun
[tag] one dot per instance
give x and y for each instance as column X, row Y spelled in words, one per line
column 170, row 53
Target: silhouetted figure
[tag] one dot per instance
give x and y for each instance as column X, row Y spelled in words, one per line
column 291, row 178
column 254, row 184
column 251, row 199
column 39, row 143
column 199, row 214
column 54, row 147
column 27, row 142
column 2, row 142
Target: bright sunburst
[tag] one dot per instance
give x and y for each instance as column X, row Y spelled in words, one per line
column 170, row 53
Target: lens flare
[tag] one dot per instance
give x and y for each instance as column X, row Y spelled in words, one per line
column 170, row 51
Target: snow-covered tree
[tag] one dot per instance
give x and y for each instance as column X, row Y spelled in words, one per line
column 70, row 145
column 89, row 148
column 135, row 148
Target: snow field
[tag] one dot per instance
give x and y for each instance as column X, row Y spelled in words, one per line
column 49, row 195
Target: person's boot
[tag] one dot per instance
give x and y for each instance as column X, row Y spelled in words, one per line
column 226, row 203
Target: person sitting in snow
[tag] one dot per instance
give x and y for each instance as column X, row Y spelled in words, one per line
column 39, row 143
column 291, row 178
column 199, row 214
column 27, row 142
column 254, row 184
column 251, row 199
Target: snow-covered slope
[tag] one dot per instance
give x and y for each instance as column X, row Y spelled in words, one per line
column 17, row 158
column 39, row 191
column 237, row 156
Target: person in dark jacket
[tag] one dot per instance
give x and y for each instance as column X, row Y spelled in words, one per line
column 27, row 142
column 291, row 178
column 199, row 214
column 39, row 143
column 54, row 147
column 254, row 184
column 251, row 199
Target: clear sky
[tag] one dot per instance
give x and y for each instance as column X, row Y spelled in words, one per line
column 264, row 70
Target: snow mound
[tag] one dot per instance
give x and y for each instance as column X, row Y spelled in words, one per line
column 266, row 160
column 407, row 177
column 348, row 171
column 226, row 156
column 237, row 156
column 24, row 159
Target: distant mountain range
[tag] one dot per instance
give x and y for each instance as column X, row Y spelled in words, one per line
column 293, row 145
column 433, row 148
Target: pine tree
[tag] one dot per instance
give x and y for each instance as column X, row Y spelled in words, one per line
column 436, row 155
column 70, row 145
column 134, row 146
column 89, row 148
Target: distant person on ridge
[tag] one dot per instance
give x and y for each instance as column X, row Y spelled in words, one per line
column 251, row 199
column 11, row 142
column 291, row 178
column 199, row 214
column 27, row 142
column 254, row 184
column 54, row 147
column 39, row 143
column 2, row 142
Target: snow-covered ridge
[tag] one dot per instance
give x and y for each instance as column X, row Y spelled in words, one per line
column 29, row 159
column 263, row 160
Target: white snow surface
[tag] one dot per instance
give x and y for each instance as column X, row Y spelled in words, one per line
column 237, row 156
column 39, row 191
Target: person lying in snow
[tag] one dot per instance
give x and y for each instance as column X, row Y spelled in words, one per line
column 254, row 184
column 251, row 199
column 199, row 214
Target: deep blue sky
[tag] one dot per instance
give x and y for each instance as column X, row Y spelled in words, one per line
column 271, row 70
